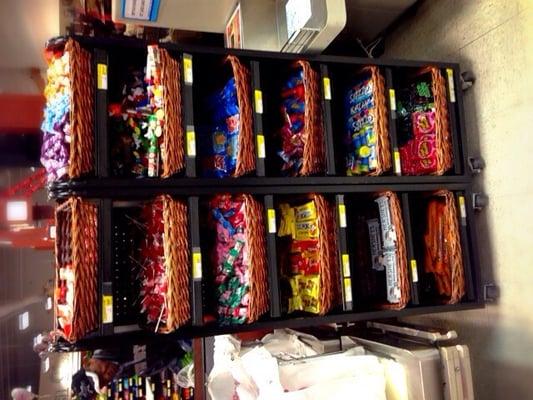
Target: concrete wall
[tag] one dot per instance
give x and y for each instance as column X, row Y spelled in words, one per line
column 494, row 39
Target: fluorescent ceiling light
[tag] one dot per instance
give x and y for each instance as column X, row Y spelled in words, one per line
column 17, row 211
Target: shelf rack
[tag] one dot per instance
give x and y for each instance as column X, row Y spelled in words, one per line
column 103, row 188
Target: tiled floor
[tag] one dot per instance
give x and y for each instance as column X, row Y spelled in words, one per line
column 494, row 40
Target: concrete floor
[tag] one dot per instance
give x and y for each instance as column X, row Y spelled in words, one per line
column 494, row 40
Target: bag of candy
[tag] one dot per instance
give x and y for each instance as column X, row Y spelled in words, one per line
column 367, row 136
column 239, row 258
column 302, row 135
column 309, row 258
column 424, row 137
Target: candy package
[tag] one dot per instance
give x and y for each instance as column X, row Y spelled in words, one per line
column 367, row 137
column 164, row 260
column 302, row 135
column 309, row 258
column 239, row 258
column 424, row 136
column 442, row 247
column 67, row 149
column 381, row 258
column 229, row 139
column 76, row 252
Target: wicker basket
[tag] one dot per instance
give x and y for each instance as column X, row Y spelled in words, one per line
column 176, row 262
column 383, row 152
column 173, row 142
column 314, row 153
column 77, row 246
column 81, row 159
column 246, row 154
column 443, row 145
column 443, row 255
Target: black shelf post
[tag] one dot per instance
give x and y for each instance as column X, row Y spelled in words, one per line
column 343, row 255
column 188, row 115
column 390, row 93
column 101, row 142
column 260, row 149
column 197, row 314
column 462, row 207
column 449, row 73
column 105, row 256
column 273, row 272
column 411, row 259
column 327, row 123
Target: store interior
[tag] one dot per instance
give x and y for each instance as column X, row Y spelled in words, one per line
column 230, row 200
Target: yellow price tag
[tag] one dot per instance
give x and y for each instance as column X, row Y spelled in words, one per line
column 187, row 69
column 258, row 95
column 101, row 72
column 346, row 265
column 414, row 270
column 451, row 84
column 392, row 98
column 191, row 143
column 196, row 265
column 397, row 163
column 327, row 88
column 342, row 215
column 462, row 207
column 261, row 152
column 348, row 290
column 271, row 216
column 107, row 309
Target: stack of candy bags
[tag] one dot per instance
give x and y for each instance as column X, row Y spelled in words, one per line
column 223, row 137
column 55, row 150
column 153, row 278
column 292, row 132
column 301, row 224
column 361, row 136
column 231, row 258
column 417, row 136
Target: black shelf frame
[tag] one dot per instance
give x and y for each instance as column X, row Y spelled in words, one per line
column 104, row 188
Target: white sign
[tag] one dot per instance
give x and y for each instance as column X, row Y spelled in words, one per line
column 298, row 12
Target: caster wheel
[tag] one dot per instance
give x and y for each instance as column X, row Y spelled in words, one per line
column 467, row 80
column 477, row 164
column 480, row 201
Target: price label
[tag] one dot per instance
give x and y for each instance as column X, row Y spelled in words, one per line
column 327, row 88
column 187, row 69
column 451, row 84
column 348, row 290
column 392, row 98
column 196, row 264
column 271, row 214
column 258, row 95
column 107, row 309
column 346, row 265
column 414, row 271
column 397, row 162
column 191, row 142
column 261, row 152
column 101, row 73
column 462, row 209
column 342, row 215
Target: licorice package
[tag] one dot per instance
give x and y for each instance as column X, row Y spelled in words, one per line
column 302, row 135
column 239, row 258
column 67, row 149
column 381, row 260
column 442, row 247
column 367, row 136
column 424, row 136
column 164, row 260
column 308, row 256
column 229, row 140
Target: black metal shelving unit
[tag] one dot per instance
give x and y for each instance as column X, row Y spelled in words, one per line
column 104, row 189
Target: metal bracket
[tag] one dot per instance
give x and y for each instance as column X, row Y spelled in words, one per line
column 467, row 80
column 479, row 201
column 491, row 292
column 476, row 164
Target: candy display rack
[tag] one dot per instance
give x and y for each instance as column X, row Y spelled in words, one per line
column 268, row 187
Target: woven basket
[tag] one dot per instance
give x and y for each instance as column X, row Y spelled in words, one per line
column 81, row 158
column 443, row 254
column 255, row 236
column 330, row 291
column 314, row 153
column 246, row 154
column 176, row 262
column 77, row 245
column 383, row 153
column 173, row 142
column 401, row 253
